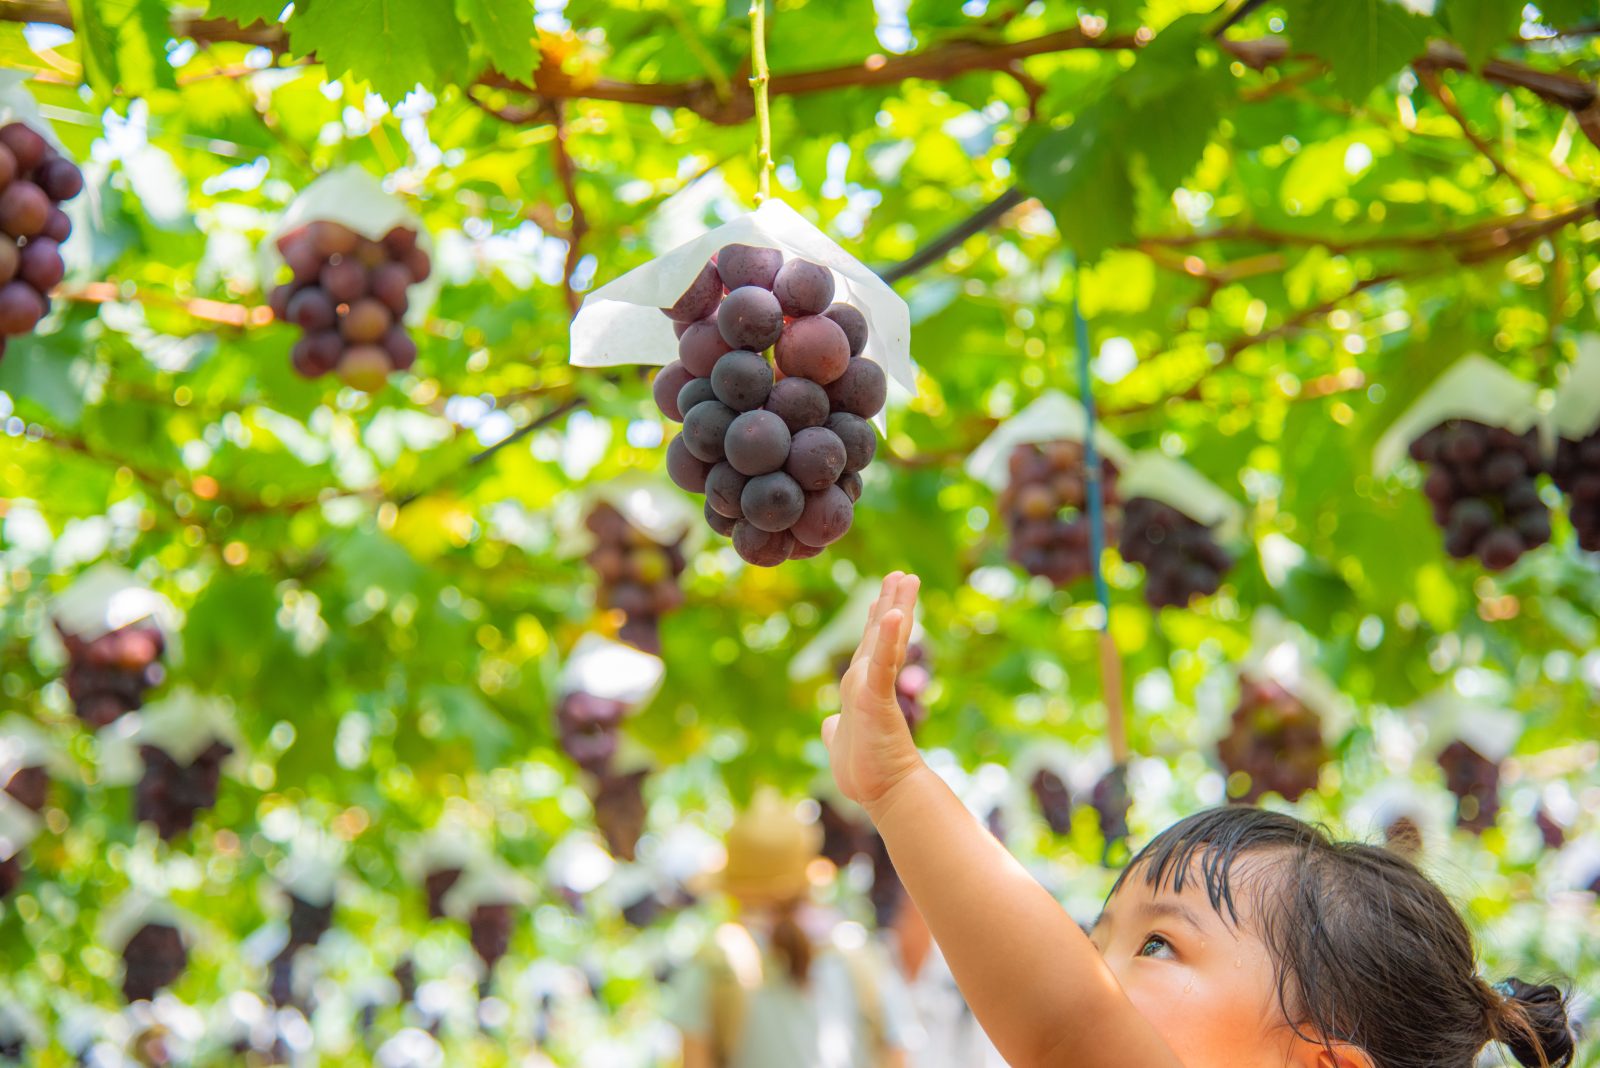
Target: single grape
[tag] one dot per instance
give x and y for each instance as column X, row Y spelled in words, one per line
column 24, row 209
column 772, row 502
column 8, row 166
column 850, row 482
column 825, row 518
column 365, row 367
column 58, row 227
column 742, row 380
column 852, row 322
column 331, row 239
column 701, row 346
column 860, row 439
column 686, row 469
column 367, row 321
column 344, row 281
column 27, row 146
column 705, row 426
column 60, row 179
column 311, row 309
column 759, row 547
column 41, row 265
column 802, row 551
column 700, row 299
column 799, row 402
column 303, row 260
column 757, row 442
column 317, row 354
column 390, row 283
column 814, row 348
column 695, row 392
column 401, row 348
column 669, row 381
column 748, row 265
column 724, row 487
column 400, row 242
column 11, row 259
column 678, row 329
column 816, row 458
column 861, row 390
column 21, row 308
column 418, row 263
column 750, row 318
column 803, row 288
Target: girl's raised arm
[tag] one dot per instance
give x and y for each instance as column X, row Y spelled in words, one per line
column 1034, row 980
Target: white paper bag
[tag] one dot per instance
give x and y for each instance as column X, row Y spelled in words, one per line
column 18, row 105
column 1283, row 653
column 182, row 725
column 651, row 505
column 621, row 322
column 1160, row 477
column 1577, row 411
column 19, row 825
column 488, row 882
column 611, row 670
column 842, row 634
column 24, row 744
column 107, row 598
column 1488, row 728
column 1473, row 388
column 135, row 910
column 1054, row 416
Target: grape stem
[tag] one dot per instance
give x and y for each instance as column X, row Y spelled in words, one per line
column 760, row 76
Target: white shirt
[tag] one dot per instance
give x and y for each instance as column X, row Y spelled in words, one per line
column 947, row 1035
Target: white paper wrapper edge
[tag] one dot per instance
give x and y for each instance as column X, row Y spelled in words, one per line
column 1052, row 416
column 1473, row 388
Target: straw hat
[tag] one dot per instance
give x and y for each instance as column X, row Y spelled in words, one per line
column 769, row 848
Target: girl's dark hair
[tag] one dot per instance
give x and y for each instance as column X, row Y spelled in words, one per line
column 792, row 944
column 1368, row 951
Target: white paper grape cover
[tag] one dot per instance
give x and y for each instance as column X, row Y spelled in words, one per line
column 1577, row 411
column 24, row 745
column 1053, row 416
column 621, row 322
column 18, row 105
column 599, row 666
column 19, row 825
column 651, row 505
column 1473, row 388
column 107, row 598
column 1488, row 728
column 1163, row 478
column 842, row 634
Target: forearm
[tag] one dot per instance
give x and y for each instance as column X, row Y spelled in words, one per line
column 1035, row 982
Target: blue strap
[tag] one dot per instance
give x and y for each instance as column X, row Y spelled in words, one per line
column 1091, row 455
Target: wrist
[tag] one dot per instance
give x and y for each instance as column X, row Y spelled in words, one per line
column 908, row 781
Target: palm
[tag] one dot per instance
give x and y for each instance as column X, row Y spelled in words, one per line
column 869, row 745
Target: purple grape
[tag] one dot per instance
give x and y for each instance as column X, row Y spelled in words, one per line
column 345, row 281
column 802, row 551
column 686, row 469
column 24, row 209
column 757, row 443
column 669, row 381
column 759, row 547
column 59, row 178
column 853, row 323
column 11, row 259
column 701, row 346
column 21, row 308
column 803, row 288
column 58, row 227
column 814, row 348
column 695, row 392
column 850, row 482
column 816, row 458
column 799, row 402
column 772, row 502
column 40, row 264
column 28, row 147
column 318, row 353
column 699, row 300
column 719, row 523
column 860, row 439
column 861, row 390
column 724, row 486
column 311, row 310
column 825, row 519
column 390, row 283
column 748, row 265
column 704, row 427
column 742, row 380
column 750, row 318
column 401, row 348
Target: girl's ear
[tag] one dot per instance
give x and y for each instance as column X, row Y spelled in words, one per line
column 1342, row 1055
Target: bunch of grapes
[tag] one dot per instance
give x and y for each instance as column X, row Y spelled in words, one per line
column 437, row 883
column 776, row 449
column 1275, row 743
column 308, row 922
column 1045, row 509
column 842, row 837
column 29, row 786
column 909, row 686
column 638, row 576
column 153, row 958
column 1475, row 780
column 1054, row 799
column 1577, row 472
column 10, row 874
column 348, row 294
column 1112, row 803
column 1483, row 485
column 107, row 677
column 1551, row 831
column 588, row 729
column 1403, row 836
column 169, row 794
column 1181, row 557
column 490, row 925
column 619, row 811
column 34, row 181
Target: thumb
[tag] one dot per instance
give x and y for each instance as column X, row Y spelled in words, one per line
column 830, row 727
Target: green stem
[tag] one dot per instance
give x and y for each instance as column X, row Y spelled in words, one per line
column 759, row 77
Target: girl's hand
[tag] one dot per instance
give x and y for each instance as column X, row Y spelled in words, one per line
column 869, row 744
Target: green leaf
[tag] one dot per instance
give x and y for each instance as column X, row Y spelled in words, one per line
column 393, row 45
column 1171, row 131
column 1363, row 41
column 1565, row 14
column 41, row 372
column 504, row 28
column 1081, row 174
column 142, row 34
column 1481, row 26
column 97, row 44
column 246, row 12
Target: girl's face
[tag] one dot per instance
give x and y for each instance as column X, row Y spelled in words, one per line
column 1207, row 985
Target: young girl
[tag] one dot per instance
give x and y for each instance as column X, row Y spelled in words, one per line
column 1236, row 939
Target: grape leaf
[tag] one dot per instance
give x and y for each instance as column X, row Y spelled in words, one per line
column 40, row 372
column 1363, row 41
column 246, row 12
column 1481, row 26
column 1565, row 14
column 505, row 30
column 391, row 44
column 1082, row 176
column 97, row 45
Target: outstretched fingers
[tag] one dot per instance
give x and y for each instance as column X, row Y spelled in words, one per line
column 886, row 655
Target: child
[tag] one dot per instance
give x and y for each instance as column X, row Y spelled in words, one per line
column 1237, row 939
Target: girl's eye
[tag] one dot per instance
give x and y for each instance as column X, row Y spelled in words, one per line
column 1157, row 946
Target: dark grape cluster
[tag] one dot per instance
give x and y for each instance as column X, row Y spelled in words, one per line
column 169, row 794
column 1483, row 485
column 776, row 446
column 1577, row 472
column 308, row 922
column 1181, row 556
column 348, row 295
column 619, row 811
column 638, row 576
column 35, row 181
column 107, row 677
column 490, row 925
column 1475, row 780
column 588, row 727
column 153, row 958
column 1044, row 506
column 10, row 874
column 29, row 786
column 1112, row 803
column 435, row 884
column 842, row 837
column 909, row 686
column 1054, row 799
column 1275, row 743
column 1551, row 831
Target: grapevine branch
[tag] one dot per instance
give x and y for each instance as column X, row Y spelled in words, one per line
column 760, row 80
column 579, row 225
column 1447, row 100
